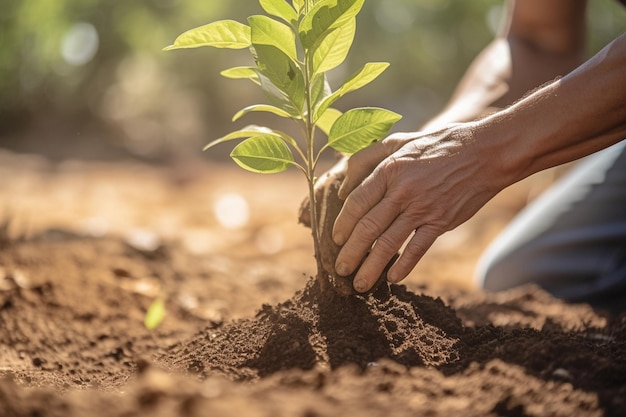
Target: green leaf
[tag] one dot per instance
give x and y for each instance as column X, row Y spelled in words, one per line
column 358, row 128
column 237, row 73
column 221, row 34
column 333, row 50
column 278, row 98
column 260, row 107
column 326, row 16
column 246, row 132
column 328, row 119
column 298, row 5
column 366, row 75
column 282, row 72
column 267, row 31
column 320, row 89
column 249, row 132
column 265, row 154
column 155, row 314
column 281, row 9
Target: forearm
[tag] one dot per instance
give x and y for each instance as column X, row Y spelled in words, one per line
column 565, row 120
column 539, row 41
column 485, row 83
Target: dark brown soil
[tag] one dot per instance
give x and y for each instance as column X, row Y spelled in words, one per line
column 248, row 334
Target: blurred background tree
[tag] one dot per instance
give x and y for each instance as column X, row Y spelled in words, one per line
column 87, row 78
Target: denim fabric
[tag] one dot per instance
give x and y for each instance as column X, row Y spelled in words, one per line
column 571, row 241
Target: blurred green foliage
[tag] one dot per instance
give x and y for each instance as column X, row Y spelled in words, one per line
column 101, row 60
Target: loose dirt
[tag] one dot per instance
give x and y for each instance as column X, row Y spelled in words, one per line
column 85, row 248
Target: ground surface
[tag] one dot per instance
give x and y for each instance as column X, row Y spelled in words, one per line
column 85, row 248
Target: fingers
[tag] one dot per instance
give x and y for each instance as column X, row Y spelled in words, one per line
column 421, row 241
column 368, row 229
column 357, row 205
column 385, row 248
column 376, row 211
column 360, row 165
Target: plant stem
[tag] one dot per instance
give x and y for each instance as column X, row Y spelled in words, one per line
column 315, row 231
column 311, row 163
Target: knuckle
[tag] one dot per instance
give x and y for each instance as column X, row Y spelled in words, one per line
column 422, row 240
column 396, row 201
column 368, row 228
column 390, row 170
column 430, row 233
column 410, row 257
column 351, row 258
column 414, row 250
column 352, row 207
column 386, row 244
column 392, row 143
column 359, row 199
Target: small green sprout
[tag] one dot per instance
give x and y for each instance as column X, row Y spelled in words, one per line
column 155, row 314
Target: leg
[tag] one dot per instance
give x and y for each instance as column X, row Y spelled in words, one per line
column 572, row 240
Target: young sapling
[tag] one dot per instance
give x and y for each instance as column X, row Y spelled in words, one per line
column 293, row 46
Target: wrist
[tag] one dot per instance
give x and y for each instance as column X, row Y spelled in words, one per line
column 497, row 139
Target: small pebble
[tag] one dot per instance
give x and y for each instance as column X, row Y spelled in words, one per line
column 562, row 374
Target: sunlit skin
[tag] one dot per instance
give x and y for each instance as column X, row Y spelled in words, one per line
column 413, row 187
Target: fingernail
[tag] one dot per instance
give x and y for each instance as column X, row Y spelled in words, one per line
column 342, row 269
column 392, row 276
column 360, row 285
column 339, row 238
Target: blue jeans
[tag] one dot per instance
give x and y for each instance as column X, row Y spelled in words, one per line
column 571, row 241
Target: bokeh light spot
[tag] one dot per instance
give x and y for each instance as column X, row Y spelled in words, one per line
column 232, row 211
column 80, row 44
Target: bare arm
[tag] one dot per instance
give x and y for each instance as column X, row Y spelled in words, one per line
column 432, row 182
column 566, row 120
column 539, row 41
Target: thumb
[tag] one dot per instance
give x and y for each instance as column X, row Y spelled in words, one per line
column 363, row 163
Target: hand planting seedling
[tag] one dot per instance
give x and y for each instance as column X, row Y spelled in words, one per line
column 293, row 47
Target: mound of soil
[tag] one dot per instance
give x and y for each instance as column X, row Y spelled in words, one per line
column 316, row 327
column 76, row 280
column 73, row 344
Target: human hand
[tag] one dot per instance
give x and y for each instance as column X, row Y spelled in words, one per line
column 328, row 206
column 423, row 185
